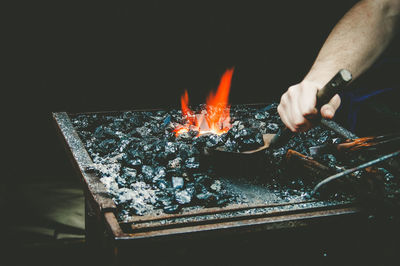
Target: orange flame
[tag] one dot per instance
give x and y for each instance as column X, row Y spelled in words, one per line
column 215, row 118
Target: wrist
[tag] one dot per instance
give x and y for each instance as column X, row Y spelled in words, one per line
column 319, row 78
column 313, row 85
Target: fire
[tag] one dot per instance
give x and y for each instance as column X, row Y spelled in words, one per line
column 215, row 118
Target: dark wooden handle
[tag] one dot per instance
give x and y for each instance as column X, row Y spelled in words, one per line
column 338, row 82
column 324, row 95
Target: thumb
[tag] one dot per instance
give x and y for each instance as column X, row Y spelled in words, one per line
column 328, row 110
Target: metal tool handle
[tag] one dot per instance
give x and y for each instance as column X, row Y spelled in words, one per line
column 324, row 95
column 338, row 82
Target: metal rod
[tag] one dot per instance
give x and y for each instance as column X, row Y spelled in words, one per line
column 210, row 211
column 360, row 144
column 348, row 171
column 159, row 225
column 306, row 162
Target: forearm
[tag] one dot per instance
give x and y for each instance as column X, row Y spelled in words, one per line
column 357, row 40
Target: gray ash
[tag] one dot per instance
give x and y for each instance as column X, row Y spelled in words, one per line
column 146, row 167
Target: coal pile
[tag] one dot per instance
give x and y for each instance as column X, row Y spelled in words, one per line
column 146, row 167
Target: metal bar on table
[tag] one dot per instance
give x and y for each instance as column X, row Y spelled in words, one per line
column 209, row 211
column 158, row 225
column 349, row 171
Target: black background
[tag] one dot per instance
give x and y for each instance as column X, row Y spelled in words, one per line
column 97, row 56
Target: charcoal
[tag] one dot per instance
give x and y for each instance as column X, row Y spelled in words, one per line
column 85, row 135
column 170, row 149
column 231, row 145
column 129, row 175
column 193, row 152
column 185, row 196
column 172, row 209
column 142, row 148
column 329, row 160
column 148, row 173
column 261, row 116
column 272, row 127
column 118, row 124
column 309, row 142
column 260, row 125
column 323, row 137
column 185, row 137
column 193, row 133
column 160, row 172
column 270, row 107
column 199, row 142
column 203, row 179
column 236, row 127
column 214, row 140
column 162, row 184
column 184, row 150
column 216, row 186
column 245, row 133
column 200, row 188
column 248, row 138
column 175, row 163
column 81, row 123
column 259, row 139
column 158, row 145
column 208, row 198
column 192, row 163
column 133, row 163
column 122, row 181
column 174, row 172
column 337, row 140
column 164, row 200
column 158, row 130
column 167, row 120
column 103, row 132
column 170, row 128
column 177, row 182
column 106, row 146
column 161, row 157
column 140, row 177
column 134, row 199
column 169, row 136
column 135, row 121
column 222, row 202
column 134, row 153
column 148, row 147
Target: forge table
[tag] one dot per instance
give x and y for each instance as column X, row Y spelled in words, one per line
column 234, row 234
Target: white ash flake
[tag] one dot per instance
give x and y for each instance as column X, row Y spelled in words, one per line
column 109, row 169
column 216, row 185
column 140, row 196
column 110, row 184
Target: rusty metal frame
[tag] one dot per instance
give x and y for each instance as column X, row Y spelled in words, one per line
column 217, row 220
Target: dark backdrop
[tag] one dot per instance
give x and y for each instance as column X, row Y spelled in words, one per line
column 114, row 56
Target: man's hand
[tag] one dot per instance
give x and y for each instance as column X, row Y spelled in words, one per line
column 355, row 43
column 298, row 104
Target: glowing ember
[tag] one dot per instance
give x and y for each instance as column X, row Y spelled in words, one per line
column 215, row 118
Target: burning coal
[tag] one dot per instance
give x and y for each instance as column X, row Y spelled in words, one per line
column 147, row 169
column 215, row 118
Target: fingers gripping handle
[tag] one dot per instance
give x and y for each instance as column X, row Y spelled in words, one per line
column 324, row 95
